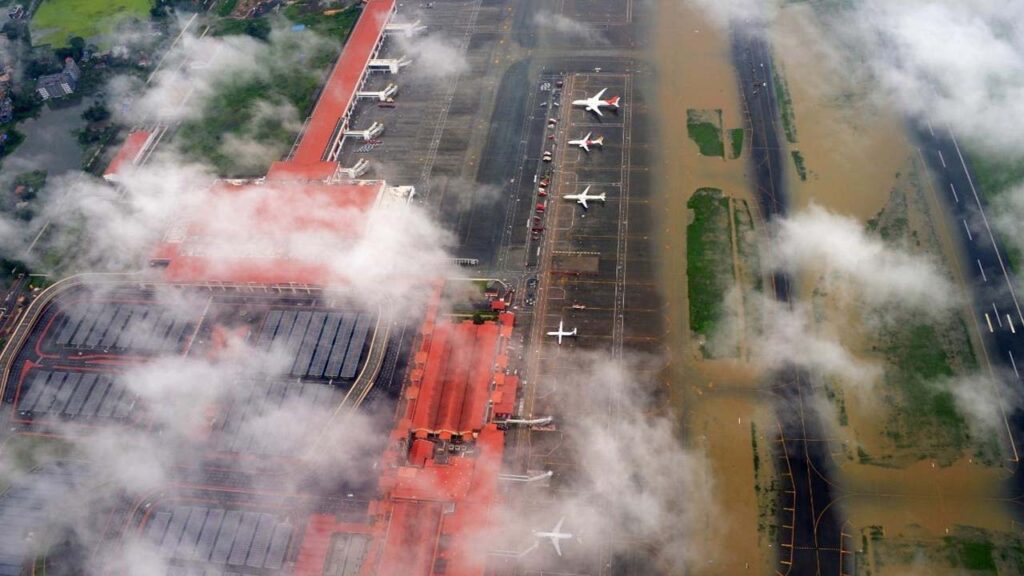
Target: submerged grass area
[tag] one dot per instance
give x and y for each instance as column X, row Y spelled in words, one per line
column 922, row 354
column 55, row 21
column 705, row 128
column 966, row 550
column 785, row 104
column 798, row 161
column 708, row 258
column 736, row 139
column 926, row 415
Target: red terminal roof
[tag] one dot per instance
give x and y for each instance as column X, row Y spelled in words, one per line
column 339, row 93
column 467, row 480
column 457, row 369
column 265, row 233
column 434, row 506
column 129, row 153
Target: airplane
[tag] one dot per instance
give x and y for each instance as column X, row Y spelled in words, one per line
column 583, row 197
column 595, row 103
column 586, row 142
column 555, row 535
column 561, row 332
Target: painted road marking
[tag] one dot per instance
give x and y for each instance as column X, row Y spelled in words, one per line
column 989, row 322
column 983, row 277
column 930, row 131
column 953, row 188
column 1010, row 320
column 984, row 219
column 966, row 227
column 941, row 158
column 1013, row 364
column 995, row 312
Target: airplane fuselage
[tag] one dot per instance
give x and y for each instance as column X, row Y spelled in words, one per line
column 595, row 103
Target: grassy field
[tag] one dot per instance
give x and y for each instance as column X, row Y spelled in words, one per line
column 335, row 24
column 58, row 20
column 708, row 258
column 705, row 128
column 237, row 110
column 249, row 109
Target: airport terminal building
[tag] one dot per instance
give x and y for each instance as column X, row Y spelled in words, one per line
column 435, row 482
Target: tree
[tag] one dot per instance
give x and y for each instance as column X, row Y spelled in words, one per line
column 96, row 113
column 77, row 44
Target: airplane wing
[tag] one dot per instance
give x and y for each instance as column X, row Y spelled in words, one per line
column 554, row 542
column 583, row 201
column 558, row 527
column 596, row 110
column 587, row 137
column 599, row 94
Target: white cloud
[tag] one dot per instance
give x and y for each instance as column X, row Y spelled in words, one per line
column 956, row 63
column 858, row 264
column 434, row 56
column 567, row 28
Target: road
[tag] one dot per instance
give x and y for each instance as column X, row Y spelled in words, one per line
column 810, row 532
column 996, row 304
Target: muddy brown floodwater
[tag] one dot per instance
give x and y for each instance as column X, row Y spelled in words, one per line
column 718, row 399
column 855, row 148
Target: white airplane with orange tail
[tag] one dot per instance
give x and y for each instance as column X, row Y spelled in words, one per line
column 595, row 103
column 586, row 142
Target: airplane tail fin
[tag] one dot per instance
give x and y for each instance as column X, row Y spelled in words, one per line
column 613, row 101
column 599, row 141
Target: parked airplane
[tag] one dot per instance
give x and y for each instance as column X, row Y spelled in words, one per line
column 595, row 103
column 560, row 333
column 586, row 142
column 555, row 535
column 583, row 197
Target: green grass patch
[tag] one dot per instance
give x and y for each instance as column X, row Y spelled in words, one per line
column 705, row 128
column 226, row 7
column 994, row 177
column 708, row 258
column 785, row 101
column 333, row 23
column 57, row 21
column 798, row 161
column 258, row 28
column 736, row 139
